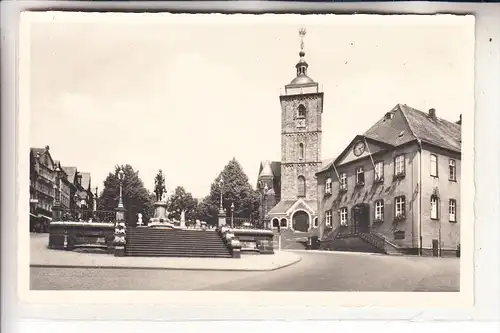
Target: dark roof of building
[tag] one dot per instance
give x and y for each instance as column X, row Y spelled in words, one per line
column 325, row 164
column 437, row 131
column 36, row 151
column 406, row 124
column 282, row 206
column 275, row 168
column 302, row 79
column 85, row 180
column 71, row 172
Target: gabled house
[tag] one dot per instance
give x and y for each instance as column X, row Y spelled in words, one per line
column 399, row 182
column 86, row 194
column 72, row 173
column 62, row 198
column 42, row 187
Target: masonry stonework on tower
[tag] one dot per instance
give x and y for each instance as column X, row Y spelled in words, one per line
column 291, row 201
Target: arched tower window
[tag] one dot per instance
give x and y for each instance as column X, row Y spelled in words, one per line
column 302, row 111
column 301, row 186
column 301, row 151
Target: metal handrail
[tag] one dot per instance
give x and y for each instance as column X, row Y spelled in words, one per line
column 84, row 215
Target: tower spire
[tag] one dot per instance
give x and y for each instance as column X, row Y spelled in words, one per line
column 302, row 64
column 302, row 34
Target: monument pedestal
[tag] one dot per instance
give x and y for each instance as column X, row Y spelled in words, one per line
column 120, row 213
column 183, row 219
column 160, row 212
column 222, row 218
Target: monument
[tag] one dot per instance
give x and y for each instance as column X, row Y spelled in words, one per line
column 160, row 216
column 183, row 219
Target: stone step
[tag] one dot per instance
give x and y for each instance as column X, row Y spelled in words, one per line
column 160, row 250
column 178, row 254
column 150, row 242
column 170, row 237
column 174, row 248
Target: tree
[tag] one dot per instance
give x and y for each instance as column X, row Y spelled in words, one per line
column 206, row 211
column 136, row 198
column 236, row 190
column 181, row 201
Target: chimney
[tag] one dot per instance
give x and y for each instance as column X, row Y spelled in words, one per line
column 432, row 113
column 459, row 122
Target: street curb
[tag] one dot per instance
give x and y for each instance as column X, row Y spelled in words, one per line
column 164, row 268
column 340, row 252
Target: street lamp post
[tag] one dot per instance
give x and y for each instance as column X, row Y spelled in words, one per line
column 120, row 210
column 265, row 204
column 221, row 182
column 222, row 214
column 75, row 206
column 120, row 233
column 232, row 215
column 55, row 203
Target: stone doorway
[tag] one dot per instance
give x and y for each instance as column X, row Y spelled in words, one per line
column 361, row 218
column 300, row 221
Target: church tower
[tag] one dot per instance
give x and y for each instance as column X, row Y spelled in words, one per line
column 301, row 113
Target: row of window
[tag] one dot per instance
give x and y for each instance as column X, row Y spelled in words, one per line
column 45, row 188
column 399, row 211
column 452, row 168
column 399, row 171
column 46, row 173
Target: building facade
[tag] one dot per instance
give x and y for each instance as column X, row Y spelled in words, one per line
column 55, row 190
column 81, row 194
column 399, row 180
column 288, row 187
column 62, row 197
column 42, row 187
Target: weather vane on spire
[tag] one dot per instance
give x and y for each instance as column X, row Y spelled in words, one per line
column 302, row 34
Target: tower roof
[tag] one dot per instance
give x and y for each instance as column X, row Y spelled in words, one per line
column 266, row 169
column 302, row 79
column 302, row 65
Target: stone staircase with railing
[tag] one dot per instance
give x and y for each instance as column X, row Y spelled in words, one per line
column 345, row 238
column 158, row 242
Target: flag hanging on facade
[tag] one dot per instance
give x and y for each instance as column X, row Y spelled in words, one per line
column 336, row 172
column 369, row 153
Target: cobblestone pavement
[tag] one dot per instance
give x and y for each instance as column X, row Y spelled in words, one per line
column 316, row 271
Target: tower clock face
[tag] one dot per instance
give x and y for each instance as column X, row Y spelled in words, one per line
column 359, row 148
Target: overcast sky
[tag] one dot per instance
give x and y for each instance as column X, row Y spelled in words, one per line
column 187, row 95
